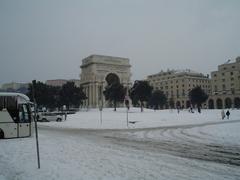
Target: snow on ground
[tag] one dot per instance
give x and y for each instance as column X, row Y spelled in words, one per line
column 149, row 118
column 80, row 148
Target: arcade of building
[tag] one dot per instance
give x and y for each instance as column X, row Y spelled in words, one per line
column 223, row 88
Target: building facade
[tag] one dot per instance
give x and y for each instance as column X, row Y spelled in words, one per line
column 56, row 82
column 61, row 82
column 96, row 71
column 225, row 86
column 14, row 86
column 176, row 85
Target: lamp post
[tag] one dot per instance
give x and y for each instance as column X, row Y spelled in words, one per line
column 101, row 101
column 35, row 120
column 126, row 100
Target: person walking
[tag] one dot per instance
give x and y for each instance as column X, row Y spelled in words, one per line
column 223, row 114
column 228, row 114
column 178, row 109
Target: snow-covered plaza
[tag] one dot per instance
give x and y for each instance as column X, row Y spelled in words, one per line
column 159, row 144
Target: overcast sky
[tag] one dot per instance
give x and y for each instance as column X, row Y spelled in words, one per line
column 47, row 39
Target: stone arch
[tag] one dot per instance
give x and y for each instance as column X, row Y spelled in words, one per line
column 237, row 102
column 211, row 104
column 96, row 70
column 112, row 78
column 228, row 103
column 219, row 104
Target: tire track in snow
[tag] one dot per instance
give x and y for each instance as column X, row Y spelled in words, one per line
column 177, row 141
column 172, row 140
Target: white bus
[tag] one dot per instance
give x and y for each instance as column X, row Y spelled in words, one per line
column 15, row 115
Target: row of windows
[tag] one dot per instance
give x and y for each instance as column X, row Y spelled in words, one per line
column 176, row 81
column 223, row 80
column 202, row 86
column 177, row 92
column 224, row 88
column 225, row 68
column 223, row 74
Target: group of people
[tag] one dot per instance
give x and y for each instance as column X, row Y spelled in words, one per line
column 224, row 115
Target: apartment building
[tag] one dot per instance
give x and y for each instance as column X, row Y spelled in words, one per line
column 61, row 82
column 14, row 86
column 225, row 85
column 176, row 84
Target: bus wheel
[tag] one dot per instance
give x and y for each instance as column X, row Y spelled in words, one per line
column 1, row 134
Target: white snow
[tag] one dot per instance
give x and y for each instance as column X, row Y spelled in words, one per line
column 83, row 148
column 149, row 118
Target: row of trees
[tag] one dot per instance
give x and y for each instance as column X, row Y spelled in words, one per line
column 142, row 92
column 52, row 97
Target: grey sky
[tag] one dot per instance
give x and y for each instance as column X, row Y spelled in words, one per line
column 47, row 39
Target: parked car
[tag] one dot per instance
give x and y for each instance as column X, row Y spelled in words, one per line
column 47, row 116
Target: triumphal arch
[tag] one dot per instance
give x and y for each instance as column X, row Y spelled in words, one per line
column 96, row 73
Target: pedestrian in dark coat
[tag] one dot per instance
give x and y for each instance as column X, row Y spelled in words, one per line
column 228, row 114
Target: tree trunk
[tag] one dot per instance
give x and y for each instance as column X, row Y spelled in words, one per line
column 141, row 106
column 115, row 105
column 199, row 108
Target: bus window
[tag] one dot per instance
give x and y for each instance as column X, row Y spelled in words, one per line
column 11, row 102
column 14, row 114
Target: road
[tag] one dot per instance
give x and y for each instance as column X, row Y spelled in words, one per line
column 173, row 140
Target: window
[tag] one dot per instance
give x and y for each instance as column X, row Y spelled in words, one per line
column 223, row 80
column 223, row 74
column 223, row 87
column 24, row 115
column 232, row 79
column 177, row 93
column 183, row 92
column 231, row 73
